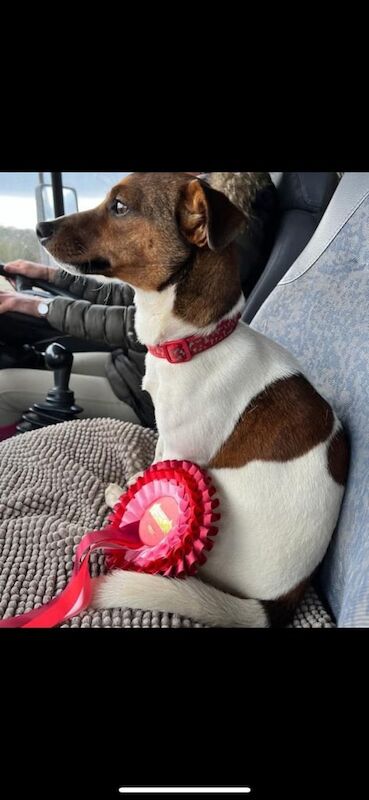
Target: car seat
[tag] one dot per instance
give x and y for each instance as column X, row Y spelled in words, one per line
column 319, row 312
column 302, row 198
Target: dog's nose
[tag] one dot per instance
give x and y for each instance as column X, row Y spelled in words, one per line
column 44, row 231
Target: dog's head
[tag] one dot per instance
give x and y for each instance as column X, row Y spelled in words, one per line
column 146, row 231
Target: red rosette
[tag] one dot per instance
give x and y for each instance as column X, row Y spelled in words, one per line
column 173, row 505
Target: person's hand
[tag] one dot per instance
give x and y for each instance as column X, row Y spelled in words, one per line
column 30, row 269
column 21, row 303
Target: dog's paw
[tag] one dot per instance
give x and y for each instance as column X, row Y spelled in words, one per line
column 112, row 494
column 134, row 478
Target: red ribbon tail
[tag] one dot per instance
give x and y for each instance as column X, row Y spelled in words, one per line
column 77, row 595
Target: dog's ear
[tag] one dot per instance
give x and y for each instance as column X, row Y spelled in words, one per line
column 206, row 216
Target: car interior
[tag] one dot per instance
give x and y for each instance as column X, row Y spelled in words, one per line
column 302, row 198
column 310, row 295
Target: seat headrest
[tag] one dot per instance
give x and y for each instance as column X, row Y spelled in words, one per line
column 304, row 191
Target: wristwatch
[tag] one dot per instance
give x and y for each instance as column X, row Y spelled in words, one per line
column 43, row 307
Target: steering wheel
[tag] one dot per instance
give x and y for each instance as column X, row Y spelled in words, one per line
column 26, row 323
column 26, row 286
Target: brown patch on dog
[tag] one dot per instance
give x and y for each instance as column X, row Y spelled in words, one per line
column 192, row 214
column 211, row 288
column 338, row 457
column 284, row 421
column 142, row 247
column 173, row 227
column 206, row 216
column 281, row 611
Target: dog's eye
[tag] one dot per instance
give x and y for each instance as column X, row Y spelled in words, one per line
column 119, row 208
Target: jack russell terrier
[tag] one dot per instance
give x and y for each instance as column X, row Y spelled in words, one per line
column 226, row 397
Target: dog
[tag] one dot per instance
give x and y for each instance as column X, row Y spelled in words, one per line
column 241, row 408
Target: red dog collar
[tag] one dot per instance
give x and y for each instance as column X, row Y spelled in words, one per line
column 180, row 350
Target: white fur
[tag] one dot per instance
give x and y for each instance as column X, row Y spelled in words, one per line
column 198, row 403
column 112, row 494
column 189, row 598
column 277, row 517
column 155, row 321
column 277, row 520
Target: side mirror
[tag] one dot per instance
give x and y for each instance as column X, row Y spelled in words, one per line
column 45, row 203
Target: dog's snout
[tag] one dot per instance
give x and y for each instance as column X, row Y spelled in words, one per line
column 44, row 231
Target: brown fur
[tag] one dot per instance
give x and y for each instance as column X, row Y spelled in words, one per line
column 281, row 611
column 193, row 214
column 284, row 421
column 241, row 188
column 174, row 228
column 198, row 299
column 338, row 458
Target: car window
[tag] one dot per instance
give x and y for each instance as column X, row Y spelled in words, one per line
column 91, row 187
column 18, row 216
column 18, row 207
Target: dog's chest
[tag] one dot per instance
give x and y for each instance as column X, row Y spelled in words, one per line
column 187, row 410
column 198, row 403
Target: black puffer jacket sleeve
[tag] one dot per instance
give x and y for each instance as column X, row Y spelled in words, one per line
column 86, row 287
column 112, row 325
column 100, row 312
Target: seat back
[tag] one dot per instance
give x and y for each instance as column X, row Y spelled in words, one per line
column 320, row 312
column 302, row 200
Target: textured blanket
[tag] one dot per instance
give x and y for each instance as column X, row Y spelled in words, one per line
column 52, row 485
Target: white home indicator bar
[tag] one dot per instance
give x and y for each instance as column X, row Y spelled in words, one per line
column 185, row 789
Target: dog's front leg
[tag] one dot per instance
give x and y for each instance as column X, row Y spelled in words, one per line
column 159, row 450
column 113, row 491
column 112, row 494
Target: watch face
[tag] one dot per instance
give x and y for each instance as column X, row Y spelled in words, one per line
column 42, row 309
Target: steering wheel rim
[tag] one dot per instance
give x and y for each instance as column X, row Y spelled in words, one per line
column 27, row 286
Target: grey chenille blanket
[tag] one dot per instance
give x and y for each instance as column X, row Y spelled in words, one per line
column 52, row 485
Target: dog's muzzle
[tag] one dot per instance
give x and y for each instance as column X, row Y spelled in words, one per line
column 44, row 231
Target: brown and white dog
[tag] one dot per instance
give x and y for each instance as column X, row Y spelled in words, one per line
column 242, row 409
